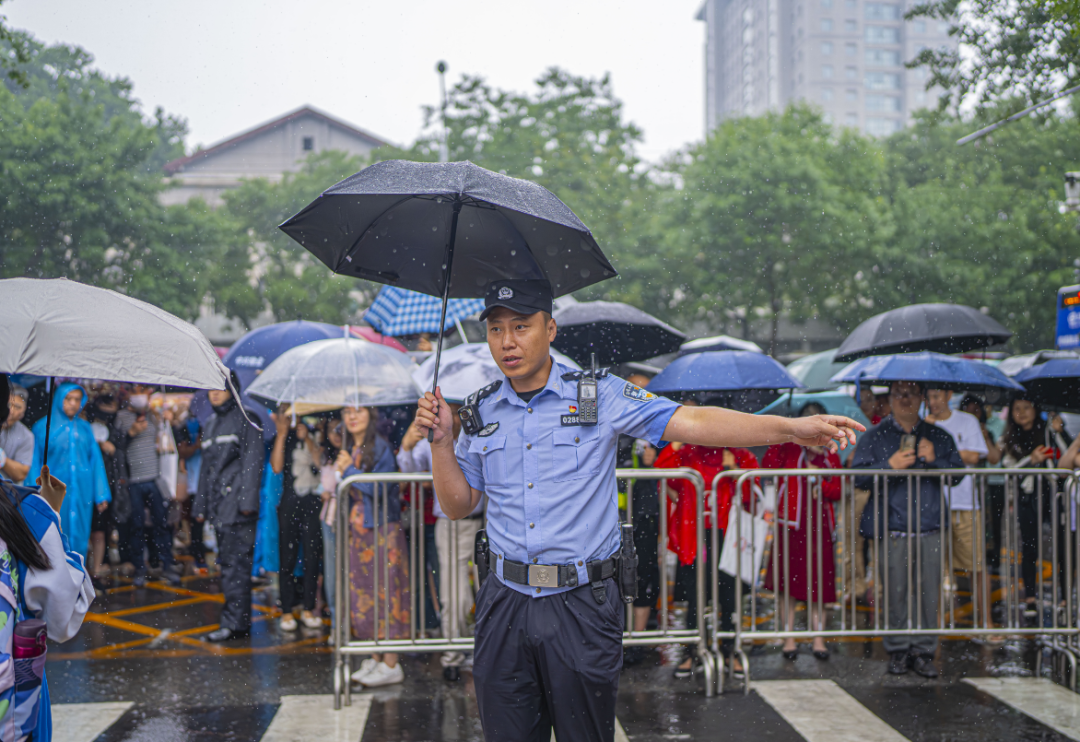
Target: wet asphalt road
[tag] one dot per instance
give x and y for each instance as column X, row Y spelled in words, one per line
column 182, row 689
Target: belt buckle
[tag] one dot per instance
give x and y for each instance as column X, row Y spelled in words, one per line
column 543, row 575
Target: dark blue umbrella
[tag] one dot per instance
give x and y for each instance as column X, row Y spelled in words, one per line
column 739, row 379
column 933, row 369
column 1054, row 384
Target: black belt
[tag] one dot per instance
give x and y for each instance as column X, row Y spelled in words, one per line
column 553, row 575
column 475, row 516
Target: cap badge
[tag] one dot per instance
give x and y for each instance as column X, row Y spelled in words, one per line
column 506, row 293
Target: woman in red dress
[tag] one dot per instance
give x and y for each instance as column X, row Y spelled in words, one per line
column 682, row 530
column 804, row 529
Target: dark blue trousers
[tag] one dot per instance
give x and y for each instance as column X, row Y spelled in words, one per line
column 547, row 662
column 146, row 495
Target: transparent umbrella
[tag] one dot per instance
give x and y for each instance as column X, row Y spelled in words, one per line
column 465, row 369
column 342, row 372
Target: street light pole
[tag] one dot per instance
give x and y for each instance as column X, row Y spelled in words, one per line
column 444, row 147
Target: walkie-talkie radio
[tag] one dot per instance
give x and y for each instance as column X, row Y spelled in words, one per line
column 586, row 396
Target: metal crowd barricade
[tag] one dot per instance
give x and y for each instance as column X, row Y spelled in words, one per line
column 345, row 646
column 1028, row 495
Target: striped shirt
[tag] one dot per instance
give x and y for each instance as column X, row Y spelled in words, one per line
column 142, row 454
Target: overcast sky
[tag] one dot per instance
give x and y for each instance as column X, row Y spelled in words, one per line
column 229, row 65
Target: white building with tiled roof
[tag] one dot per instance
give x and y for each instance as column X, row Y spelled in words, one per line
column 267, row 151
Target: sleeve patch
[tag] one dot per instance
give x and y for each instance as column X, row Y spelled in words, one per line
column 637, row 394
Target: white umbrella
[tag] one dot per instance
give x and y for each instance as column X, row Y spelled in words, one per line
column 58, row 327
column 718, row 342
column 342, row 372
column 465, row 369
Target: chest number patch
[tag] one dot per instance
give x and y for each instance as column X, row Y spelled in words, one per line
column 637, row 394
column 570, row 420
column 488, row 430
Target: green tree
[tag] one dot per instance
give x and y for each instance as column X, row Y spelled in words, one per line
column 979, row 225
column 14, row 53
column 1012, row 53
column 79, row 189
column 770, row 215
column 291, row 280
column 569, row 135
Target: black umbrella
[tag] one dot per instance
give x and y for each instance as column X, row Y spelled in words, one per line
column 942, row 328
column 448, row 229
column 615, row 332
column 1054, row 384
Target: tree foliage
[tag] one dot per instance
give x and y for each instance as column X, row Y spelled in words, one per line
column 1019, row 51
column 79, row 182
column 771, row 213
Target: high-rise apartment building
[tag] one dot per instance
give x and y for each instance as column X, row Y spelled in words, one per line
column 845, row 56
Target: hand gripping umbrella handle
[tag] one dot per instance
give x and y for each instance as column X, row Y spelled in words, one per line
column 445, row 299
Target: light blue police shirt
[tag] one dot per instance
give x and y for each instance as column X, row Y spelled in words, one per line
column 550, row 482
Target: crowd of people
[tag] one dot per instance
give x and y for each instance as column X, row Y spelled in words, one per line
column 146, row 477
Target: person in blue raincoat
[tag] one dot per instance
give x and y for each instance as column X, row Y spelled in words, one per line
column 74, row 458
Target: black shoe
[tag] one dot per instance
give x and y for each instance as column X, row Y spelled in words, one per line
column 821, row 655
column 792, row 655
column 924, row 665
column 223, row 635
column 898, row 663
column 633, row 656
column 451, row 674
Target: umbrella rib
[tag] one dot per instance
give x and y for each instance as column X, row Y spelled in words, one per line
column 372, row 223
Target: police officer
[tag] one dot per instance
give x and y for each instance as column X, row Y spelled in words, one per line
column 549, row 619
column 228, row 497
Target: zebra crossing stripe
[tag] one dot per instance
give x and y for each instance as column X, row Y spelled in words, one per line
column 1043, row 700
column 84, row 722
column 822, row 711
column 304, row 718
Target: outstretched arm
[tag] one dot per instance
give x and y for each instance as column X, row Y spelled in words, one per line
column 718, row 427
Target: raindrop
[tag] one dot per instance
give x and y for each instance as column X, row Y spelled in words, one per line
column 513, row 253
column 584, row 272
column 434, row 229
column 552, row 250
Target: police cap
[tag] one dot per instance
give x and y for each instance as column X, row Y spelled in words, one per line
column 519, row 295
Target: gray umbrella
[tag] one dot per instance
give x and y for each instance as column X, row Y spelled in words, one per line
column 942, row 328
column 615, row 332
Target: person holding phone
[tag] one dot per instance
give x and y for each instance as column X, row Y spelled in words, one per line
column 905, row 442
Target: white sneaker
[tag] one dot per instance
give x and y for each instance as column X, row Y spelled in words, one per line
column 383, row 674
column 310, row 620
column 365, row 669
column 288, row 622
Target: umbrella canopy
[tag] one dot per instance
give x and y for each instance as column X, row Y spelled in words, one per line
column 934, row 369
column 448, row 229
column 343, row 372
column 256, row 350
column 1055, row 384
column 465, row 369
column 58, row 327
column 723, row 370
column 834, row 403
column 718, row 342
column 943, row 328
column 1013, row 365
column 816, row 370
column 399, row 312
column 616, row 332
column 415, row 224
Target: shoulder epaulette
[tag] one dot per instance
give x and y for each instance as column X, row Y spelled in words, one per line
column 483, row 393
column 575, row 375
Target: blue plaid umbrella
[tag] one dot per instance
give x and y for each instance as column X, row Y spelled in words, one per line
column 398, row 312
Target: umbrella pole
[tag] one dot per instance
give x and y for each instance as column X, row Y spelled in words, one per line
column 445, row 300
column 48, row 419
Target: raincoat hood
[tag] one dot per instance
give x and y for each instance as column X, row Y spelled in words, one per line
column 61, row 392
